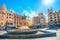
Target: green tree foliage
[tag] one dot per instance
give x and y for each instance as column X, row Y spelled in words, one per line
column 18, row 25
column 31, row 27
column 1, row 25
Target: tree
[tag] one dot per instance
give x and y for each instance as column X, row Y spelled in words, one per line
column 31, row 27
column 1, row 25
column 17, row 26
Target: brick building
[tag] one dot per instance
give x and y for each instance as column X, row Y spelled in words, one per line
column 2, row 18
column 17, row 19
column 9, row 18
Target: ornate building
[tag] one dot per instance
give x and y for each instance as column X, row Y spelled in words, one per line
column 9, row 19
column 2, row 18
column 3, row 8
column 39, row 20
column 53, row 17
column 42, row 19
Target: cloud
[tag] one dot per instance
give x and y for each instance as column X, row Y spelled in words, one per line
column 33, row 13
column 29, row 14
column 12, row 10
column 26, row 12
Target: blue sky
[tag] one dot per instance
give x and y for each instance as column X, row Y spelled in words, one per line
column 31, row 7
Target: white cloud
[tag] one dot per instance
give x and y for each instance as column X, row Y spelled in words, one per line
column 47, row 2
column 12, row 10
column 33, row 13
column 30, row 14
column 26, row 12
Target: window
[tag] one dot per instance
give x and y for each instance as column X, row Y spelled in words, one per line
column 51, row 20
column 3, row 16
column 15, row 22
column 14, row 18
column 10, row 23
column 55, row 22
column 54, row 17
column 17, row 17
column 58, row 21
column 10, row 14
column 1, row 19
column 7, row 14
column 1, row 23
column 58, row 16
column 41, row 17
column 7, row 17
column 2, row 12
column 24, row 23
column 50, row 17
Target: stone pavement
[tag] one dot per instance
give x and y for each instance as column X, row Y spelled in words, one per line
column 48, row 38
column 2, row 32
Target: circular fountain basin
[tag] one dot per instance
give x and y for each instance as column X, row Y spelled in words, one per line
column 27, row 34
column 22, row 32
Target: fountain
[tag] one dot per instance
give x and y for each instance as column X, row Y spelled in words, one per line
column 22, row 30
column 27, row 34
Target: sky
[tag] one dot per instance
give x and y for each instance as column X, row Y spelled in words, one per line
column 31, row 7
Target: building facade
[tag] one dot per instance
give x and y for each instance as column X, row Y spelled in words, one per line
column 53, row 17
column 36, row 22
column 17, row 19
column 42, row 19
column 3, row 16
column 9, row 18
column 2, row 19
column 39, row 20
